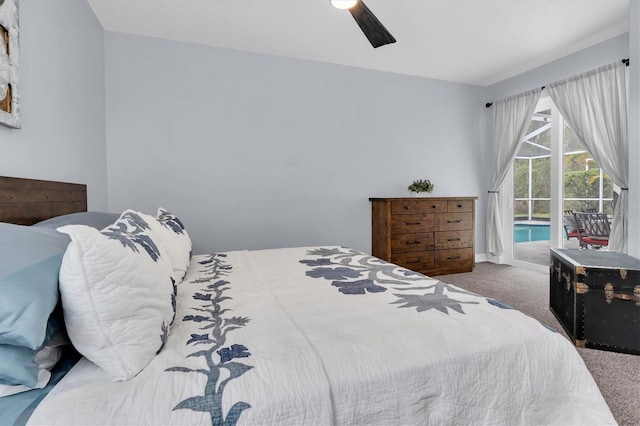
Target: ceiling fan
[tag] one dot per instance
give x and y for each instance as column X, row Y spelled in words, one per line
column 372, row 28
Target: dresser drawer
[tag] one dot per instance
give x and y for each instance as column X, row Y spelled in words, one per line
column 412, row 223
column 460, row 206
column 453, row 221
column 406, row 243
column 454, row 257
column 418, row 206
column 453, row 239
column 414, row 261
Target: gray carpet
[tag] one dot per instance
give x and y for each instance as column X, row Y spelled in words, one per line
column 617, row 375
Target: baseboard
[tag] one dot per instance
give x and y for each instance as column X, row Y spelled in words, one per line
column 482, row 257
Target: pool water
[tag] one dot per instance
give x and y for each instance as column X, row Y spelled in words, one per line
column 525, row 232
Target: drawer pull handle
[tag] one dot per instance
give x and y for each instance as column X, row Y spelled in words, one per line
column 412, row 261
column 453, row 239
column 454, row 221
column 406, row 207
column 453, row 257
column 459, row 206
column 412, row 223
column 434, row 207
column 413, row 242
column 609, row 294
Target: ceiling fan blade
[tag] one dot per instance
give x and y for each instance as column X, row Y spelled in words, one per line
column 372, row 28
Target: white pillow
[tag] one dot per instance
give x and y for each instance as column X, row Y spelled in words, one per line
column 173, row 236
column 116, row 290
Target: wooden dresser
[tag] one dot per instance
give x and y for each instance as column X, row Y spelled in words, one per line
column 433, row 236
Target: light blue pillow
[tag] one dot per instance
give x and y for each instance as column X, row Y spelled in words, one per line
column 30, row 261
column 18, row 366
column 21, row 366
column 98, row 220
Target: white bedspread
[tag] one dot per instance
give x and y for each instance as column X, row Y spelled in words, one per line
column 333, row 336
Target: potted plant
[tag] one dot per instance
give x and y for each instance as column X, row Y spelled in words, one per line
column 418, row 186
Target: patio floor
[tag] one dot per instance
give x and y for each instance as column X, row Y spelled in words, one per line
column 538, row 251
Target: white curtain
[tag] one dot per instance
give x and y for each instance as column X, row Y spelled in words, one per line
column 594, row 104
column 511, row 119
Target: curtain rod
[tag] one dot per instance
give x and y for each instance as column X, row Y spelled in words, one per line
column 624, row 61
column 488, row 104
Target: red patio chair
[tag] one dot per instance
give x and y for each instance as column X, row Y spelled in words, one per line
column 593, row 229
column 570, row 225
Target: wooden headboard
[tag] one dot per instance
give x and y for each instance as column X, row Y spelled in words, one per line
column 27, row 201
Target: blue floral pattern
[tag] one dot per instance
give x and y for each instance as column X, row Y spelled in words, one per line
column 235, row 351
column 163, row 335
column 341, row 264
column 498, row 304
column 174, row 295
column 215, row 327
column 170, row 221
column 135, row 237
column 358, row 287
column 340, row 273
column 436, row 300
column 355, row 273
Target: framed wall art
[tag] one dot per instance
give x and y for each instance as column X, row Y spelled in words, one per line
column 9, row 64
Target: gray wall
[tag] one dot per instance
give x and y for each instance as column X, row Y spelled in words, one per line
column 62, row 98
column 255, row 151
column 587, row 59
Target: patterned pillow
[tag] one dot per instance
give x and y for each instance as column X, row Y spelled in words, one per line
column 174, row 238
column 30, row 261
column 116, row 293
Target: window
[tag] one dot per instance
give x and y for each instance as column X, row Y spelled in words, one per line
column 586, row 186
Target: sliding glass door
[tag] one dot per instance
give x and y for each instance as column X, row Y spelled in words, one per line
column 552, row 176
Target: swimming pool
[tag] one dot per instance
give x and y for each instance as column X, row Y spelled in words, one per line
column 527, row 232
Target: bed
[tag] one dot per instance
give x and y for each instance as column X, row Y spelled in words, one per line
column 307, row 335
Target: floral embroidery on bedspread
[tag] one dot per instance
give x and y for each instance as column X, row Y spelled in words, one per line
column 214, row 327
column 346, row 268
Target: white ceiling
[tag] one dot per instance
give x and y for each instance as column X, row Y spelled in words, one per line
column 477, row 42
